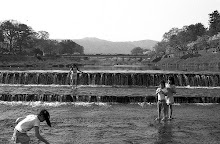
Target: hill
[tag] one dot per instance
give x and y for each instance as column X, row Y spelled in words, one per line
column 98, row 46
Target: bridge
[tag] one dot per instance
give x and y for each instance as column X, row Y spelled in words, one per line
column 105, row 56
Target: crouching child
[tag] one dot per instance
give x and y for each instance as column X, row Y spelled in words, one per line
column 25, row 124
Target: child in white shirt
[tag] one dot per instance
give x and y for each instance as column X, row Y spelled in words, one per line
column 161, row 103
column 25, row 124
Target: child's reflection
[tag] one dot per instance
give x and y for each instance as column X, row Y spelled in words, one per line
column 165, row 134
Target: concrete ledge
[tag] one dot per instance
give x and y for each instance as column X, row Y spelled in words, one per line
column 107, row 99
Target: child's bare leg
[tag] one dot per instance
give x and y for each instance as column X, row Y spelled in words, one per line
column 165, row 107
column 71, row 83
column 158, row 111
column 170, row 111
column 75, row 83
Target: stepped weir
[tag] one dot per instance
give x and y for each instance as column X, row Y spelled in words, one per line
column 109, row 78
column 109, row 99
column 106, row 78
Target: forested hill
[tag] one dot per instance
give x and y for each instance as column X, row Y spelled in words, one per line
column 98, row 46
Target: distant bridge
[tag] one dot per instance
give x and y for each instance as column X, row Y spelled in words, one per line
column 105, row 56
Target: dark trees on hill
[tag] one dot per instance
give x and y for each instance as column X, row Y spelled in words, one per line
column 70, row 47
column 15, row 35
column 137, row 51
column 178, row 39
column 214, row 23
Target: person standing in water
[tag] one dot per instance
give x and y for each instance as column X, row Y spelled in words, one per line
column 73, row 75
column 170, row 85
column 161, row 101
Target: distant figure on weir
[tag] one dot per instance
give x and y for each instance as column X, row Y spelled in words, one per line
column 73, row 76
column 170, row 86
column 25, row 124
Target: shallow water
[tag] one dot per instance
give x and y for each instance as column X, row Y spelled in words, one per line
column 100, row 123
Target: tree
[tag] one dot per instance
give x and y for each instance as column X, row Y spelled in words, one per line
column 137, row 51
column 168, row 35
column 214, row 23
column 37, row 52
column 24, row 36
column 161, row 47
column 202, row 43
column 16, row 35
column 9, row 29
column 51, row 47
column 214, row 41
column 43, row 35
column 1, row 37
column 195, row 31
column 70, row 47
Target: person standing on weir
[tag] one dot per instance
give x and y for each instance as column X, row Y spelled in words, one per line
column 73, row 75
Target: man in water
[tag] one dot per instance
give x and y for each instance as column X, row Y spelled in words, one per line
column 73, row 75
column 25, row 124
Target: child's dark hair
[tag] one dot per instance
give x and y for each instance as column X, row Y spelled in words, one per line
column 162, row 82
column 171, row 79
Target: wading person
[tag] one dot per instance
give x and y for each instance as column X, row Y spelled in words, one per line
column 171, row 90
column 73, row 76
column 161, row 101
column 25, row 124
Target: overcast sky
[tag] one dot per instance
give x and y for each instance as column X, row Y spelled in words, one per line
column 114, row 20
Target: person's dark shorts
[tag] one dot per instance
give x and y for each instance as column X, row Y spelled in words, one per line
column 162, row 103
column 19, row 137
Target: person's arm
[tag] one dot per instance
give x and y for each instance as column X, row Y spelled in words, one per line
column 157, row 91
column 79, row 70
column 37, row 134
column 69, row 72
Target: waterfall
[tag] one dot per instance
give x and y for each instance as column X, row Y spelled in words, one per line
column 108, row 99
column 109, row 79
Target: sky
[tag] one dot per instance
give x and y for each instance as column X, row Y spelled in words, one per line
column 113, row 20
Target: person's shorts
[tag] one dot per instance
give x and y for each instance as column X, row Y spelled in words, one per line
column 170, row 100
column 162, row 103
column 19, row 137
column 73, row 76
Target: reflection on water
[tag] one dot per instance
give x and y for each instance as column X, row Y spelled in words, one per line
column 165, row 134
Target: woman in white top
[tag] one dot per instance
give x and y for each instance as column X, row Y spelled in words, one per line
column 170, row 85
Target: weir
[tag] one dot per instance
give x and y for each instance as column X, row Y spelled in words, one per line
column 106, row 99
column 109, row 78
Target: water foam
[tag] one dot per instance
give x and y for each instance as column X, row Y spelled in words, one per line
column 52, row 104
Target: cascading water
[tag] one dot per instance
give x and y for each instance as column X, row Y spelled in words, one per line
column 109, row 79
column 102, row 78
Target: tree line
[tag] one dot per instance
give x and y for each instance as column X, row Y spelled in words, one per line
column 19, row 39
column 191, row 38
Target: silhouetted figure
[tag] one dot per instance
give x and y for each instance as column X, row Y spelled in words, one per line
column 73, row 75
